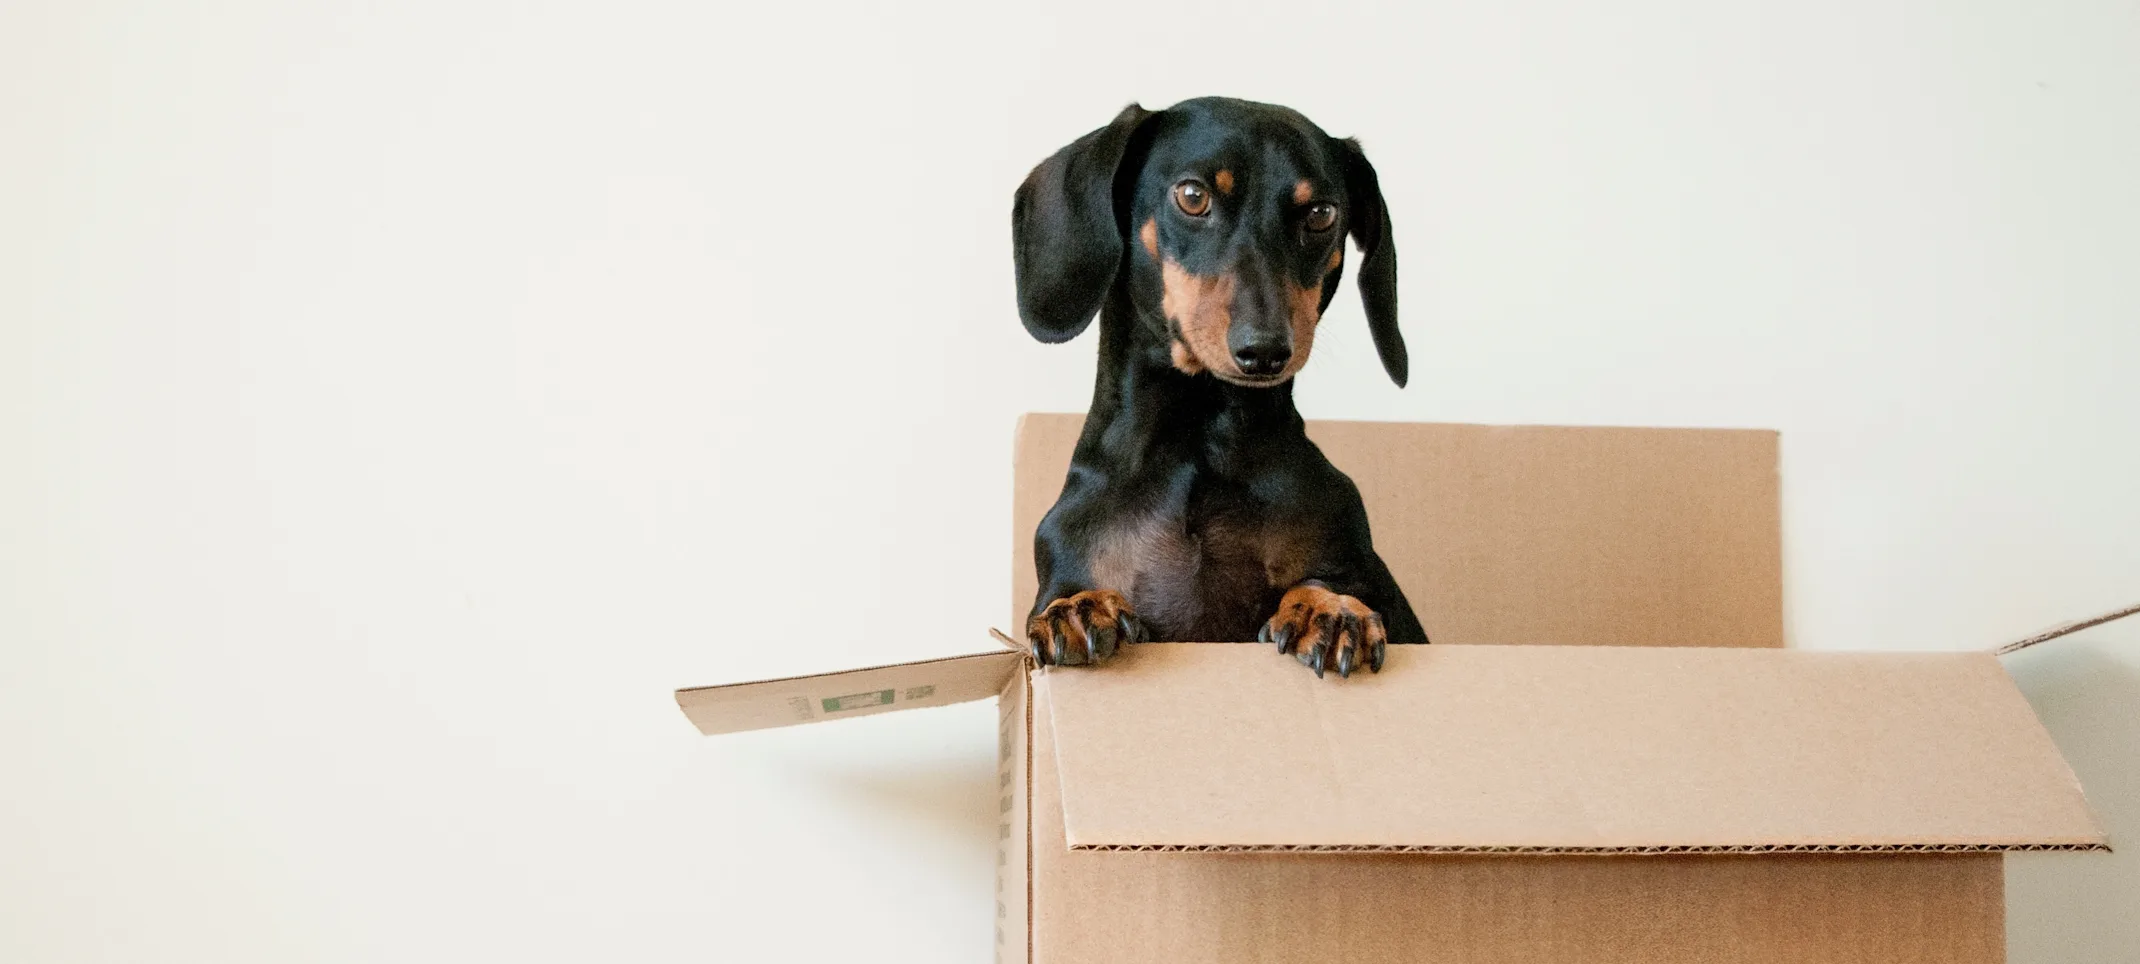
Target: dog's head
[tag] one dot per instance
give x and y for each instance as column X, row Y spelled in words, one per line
column 1226, row 221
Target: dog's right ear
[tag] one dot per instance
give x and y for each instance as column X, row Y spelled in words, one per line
column 1066, row 233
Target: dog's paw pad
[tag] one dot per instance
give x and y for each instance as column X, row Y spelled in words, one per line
column 1326, row 630
column 1083, row 629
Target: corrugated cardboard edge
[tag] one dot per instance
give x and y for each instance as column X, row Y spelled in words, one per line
column 2068, row 628
column 1024, row 680
column 1594, row 851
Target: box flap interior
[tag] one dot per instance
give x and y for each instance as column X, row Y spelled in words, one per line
column 1492, row 749
column 879, row 689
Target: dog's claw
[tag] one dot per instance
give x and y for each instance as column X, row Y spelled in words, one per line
column 1068, row 652
column 1102, row 641
column 1352, row 626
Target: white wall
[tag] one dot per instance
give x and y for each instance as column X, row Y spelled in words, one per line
column 398, row 400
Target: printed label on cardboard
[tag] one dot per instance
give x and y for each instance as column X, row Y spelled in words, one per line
column 856, row 701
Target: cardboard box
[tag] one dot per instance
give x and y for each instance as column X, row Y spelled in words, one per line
column 1681, row 790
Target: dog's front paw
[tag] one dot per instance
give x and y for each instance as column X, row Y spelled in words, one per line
column 1323, row 628
column 1083, row 629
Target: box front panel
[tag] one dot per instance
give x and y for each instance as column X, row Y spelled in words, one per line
column 1155, row 908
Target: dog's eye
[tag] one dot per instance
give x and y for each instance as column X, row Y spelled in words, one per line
column 1321, row 216
column 1191, row 197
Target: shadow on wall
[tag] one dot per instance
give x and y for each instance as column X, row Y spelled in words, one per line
column 2080, row 908
column 948, row 802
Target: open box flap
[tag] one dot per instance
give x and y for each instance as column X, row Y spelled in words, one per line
column 1494, row 749
column 860, row 692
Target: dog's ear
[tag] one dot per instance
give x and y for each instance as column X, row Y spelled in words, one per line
column 1369, row 222
column 1067, row 231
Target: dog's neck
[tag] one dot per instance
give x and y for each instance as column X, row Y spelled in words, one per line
column 1142, row 404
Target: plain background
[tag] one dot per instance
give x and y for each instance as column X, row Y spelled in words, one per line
column 398, row 400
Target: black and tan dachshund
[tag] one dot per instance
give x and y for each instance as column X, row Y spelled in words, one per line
column 1209, row 238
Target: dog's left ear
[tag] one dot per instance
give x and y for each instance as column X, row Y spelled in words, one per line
column 1369, row 221
column 1066, row 235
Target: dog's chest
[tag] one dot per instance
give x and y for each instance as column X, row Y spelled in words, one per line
column 1201, row 576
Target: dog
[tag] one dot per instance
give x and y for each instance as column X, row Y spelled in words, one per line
column 1208, row 238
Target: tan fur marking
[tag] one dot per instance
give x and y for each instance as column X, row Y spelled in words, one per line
column 1313, row 599
column 1301, row 608
column 1336, row 258
column 1184, row 360
column 1224, row 180
column 1149, row 234
column 1106, row 603
column 1201, row 309
column 1302, row 191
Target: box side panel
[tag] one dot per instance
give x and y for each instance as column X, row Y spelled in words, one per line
column 1563, row 536
column 1599, row 536
column 1013, row 842
column 832, row 696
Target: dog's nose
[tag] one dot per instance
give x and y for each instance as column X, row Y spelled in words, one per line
column 1263, row 359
